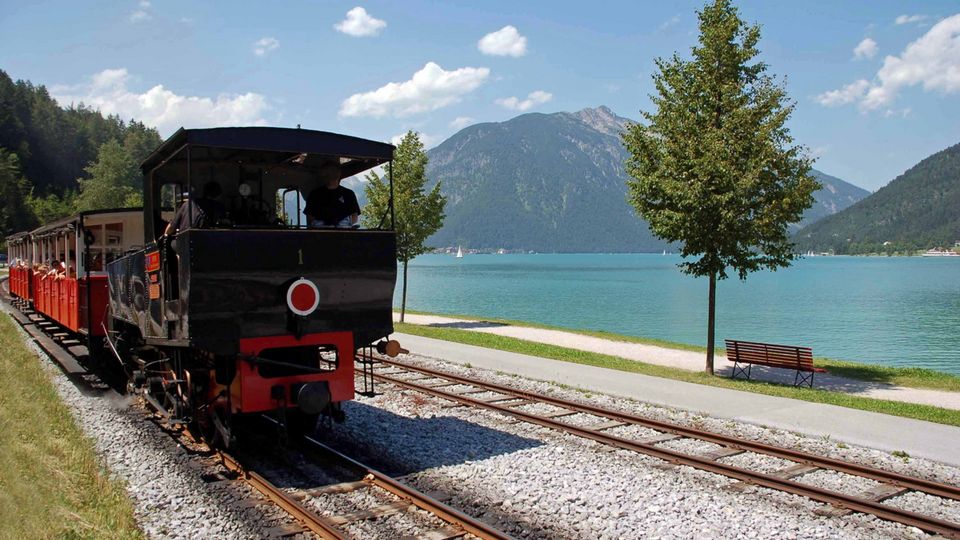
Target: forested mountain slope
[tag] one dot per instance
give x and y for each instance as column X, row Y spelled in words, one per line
column 919, row 209
column 555, row 182
column 48, row 153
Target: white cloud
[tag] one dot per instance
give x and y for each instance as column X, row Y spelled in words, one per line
column 670, row 23
column 932, row 62
column 265, row 45
column 865, row 49
column 359, row 23
column 907, row 19
column 429, row 141
column 461, row 122
column 139, row 15
column 429, row 89
column 848, row 94
column 107, row 91
column 536, row 97
column 902, row 113
column 506, row 41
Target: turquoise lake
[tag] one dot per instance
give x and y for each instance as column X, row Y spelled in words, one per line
column 902, row 311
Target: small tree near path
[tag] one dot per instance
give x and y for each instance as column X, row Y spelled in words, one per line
column 714, row 166
column 418, row 214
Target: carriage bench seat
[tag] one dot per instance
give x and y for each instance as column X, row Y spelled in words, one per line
column 744, row 354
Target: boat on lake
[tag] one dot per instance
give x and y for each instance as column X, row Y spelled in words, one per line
column 459, row 253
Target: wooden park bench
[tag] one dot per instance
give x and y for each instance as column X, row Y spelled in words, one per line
column 745, row 354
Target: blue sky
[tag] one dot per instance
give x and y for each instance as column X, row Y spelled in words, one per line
column 876, row 83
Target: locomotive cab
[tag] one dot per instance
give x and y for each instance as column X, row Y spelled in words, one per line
column 247, row 309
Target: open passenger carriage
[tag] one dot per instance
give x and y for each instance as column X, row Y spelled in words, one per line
column 60, row 268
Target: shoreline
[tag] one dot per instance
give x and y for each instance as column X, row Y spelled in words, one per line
column 829, row 362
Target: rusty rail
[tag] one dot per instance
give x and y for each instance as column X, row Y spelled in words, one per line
column 836, row 499
column 310, row 519
column 422, row 501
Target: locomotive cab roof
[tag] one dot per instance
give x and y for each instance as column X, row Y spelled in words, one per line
column 259, row 143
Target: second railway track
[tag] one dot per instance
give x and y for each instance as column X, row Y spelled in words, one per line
column 510, row 401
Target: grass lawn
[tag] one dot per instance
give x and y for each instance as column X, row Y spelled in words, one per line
column 909, row 410
column 901, row 376
column 51, row 485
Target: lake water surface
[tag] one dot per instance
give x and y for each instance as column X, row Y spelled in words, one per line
column 902, row 311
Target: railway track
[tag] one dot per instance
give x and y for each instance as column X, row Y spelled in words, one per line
column 511, row 402
column 295, row 502
column 392, row 497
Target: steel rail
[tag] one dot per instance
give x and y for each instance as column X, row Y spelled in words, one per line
column 911, row 482
column 422, row 501
column 311, row 520
column 839, row 500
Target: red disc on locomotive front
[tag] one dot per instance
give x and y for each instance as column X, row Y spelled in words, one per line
column 303, row 297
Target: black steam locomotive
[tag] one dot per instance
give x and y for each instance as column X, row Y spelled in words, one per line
column 254, row 311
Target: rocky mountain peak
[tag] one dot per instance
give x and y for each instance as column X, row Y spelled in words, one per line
column 602, row 119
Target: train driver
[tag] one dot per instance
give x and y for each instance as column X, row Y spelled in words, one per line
column 204, row 212
column 332, row 205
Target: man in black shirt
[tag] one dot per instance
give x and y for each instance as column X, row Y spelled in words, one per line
column 332, row 205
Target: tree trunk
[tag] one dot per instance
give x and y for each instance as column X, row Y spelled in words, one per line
column 403, row 302
column 711, row 321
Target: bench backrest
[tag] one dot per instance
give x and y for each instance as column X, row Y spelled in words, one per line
column 769, row 353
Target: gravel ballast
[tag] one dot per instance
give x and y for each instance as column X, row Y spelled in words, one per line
column 530, row 481
column 538, row 483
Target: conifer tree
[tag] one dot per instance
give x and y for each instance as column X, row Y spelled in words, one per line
column 714, row 166
column 418, row 214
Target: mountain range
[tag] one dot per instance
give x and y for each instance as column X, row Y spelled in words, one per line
column 917, row 210
column 556, row 183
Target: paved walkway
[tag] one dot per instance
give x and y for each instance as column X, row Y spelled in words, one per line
column 689, row 360
column 890, row 433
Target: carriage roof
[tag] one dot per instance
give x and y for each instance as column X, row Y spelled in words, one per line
column 67, row 222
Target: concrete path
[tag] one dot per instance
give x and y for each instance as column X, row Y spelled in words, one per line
column 689, row 360
column 890, row 433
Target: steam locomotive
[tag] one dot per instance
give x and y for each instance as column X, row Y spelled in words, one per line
column 255, row 312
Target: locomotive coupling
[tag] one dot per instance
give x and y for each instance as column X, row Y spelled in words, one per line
column 390, row 348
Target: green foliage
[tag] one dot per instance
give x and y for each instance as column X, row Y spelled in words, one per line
column 14, row 210
column 54, row 147
column 713, row 168
column 418, row 214
column 53, row 206
column 918, row 210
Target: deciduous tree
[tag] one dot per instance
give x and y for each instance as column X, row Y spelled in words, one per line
column 714, row 166
column 418, row 214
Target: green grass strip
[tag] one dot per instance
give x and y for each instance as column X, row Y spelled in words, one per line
column 51, row 485
column 492, row 341
column 910, row 377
